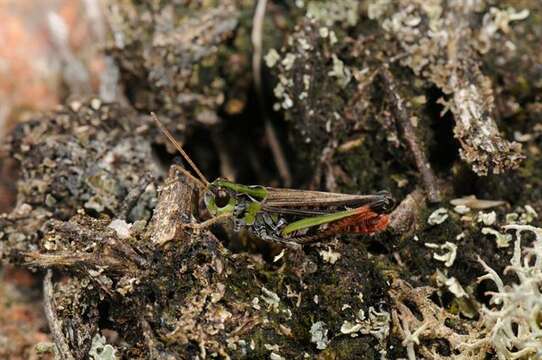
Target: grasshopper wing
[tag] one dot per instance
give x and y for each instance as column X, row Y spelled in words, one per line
column 292, row 198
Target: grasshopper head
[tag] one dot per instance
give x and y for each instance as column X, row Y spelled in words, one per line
column 219, row 199
column 384, row 203
column 226, row 196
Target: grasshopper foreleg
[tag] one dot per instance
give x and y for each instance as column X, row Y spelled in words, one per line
column 197, row 227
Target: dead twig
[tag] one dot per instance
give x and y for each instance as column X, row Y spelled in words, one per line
column 274, row 144
column 403, row 118
column 70, row 259
column 55, row 325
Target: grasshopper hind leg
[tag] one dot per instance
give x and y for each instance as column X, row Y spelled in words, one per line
column 281, row 241
column 266, row 231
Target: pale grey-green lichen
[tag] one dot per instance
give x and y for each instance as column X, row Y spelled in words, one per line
column 448, row 255
column 271, row 58
column 331, row 12
column 438, row 216
column 487, row 218
column 319, row 335
column 101, row 350
column 340, row 72
column 502, row 240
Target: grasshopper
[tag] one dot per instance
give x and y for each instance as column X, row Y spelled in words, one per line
column 287, row 216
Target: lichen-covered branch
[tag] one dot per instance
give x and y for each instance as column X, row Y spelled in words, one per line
column 442, row 47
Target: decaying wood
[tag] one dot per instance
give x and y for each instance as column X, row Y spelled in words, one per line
column 176, row 204
column 55, row 325
column 405, row 220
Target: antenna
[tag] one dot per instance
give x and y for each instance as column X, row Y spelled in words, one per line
column 180, row 149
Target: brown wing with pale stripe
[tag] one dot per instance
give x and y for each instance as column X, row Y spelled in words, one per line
column 291, row 198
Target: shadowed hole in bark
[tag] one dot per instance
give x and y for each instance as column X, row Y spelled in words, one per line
column 203, row 152
column 445, row 299
column 436, row 299
column 465, row 183
column 247, row 144
column 457, row 329
column 164, row 158
column 444, row 149
column 104, row 308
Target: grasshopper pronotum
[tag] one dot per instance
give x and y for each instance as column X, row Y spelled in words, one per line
column 288, row 216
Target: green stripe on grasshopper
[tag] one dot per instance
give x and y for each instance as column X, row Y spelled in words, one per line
column 258, row 192
column 317, row 220
column 252, row 209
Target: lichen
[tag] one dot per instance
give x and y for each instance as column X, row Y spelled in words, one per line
column 511, row 323
column 101, row 350
column 328, row 13
column 319, row 335
column 438, row 216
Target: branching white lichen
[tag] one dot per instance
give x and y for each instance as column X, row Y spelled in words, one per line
column 510, row 328
column 503, row 240
column 411, row 339
column 514, row 322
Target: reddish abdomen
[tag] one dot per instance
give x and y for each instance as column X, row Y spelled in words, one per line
column 365, row 221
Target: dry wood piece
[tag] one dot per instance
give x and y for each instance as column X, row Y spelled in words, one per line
column 55, row 325
column 175, row 205
column 409, row 132
column 404, row 219
column 274, row 143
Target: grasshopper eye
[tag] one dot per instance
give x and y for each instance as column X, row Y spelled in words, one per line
column 222, row 198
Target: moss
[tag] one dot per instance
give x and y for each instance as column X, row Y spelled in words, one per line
column 351, row 348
